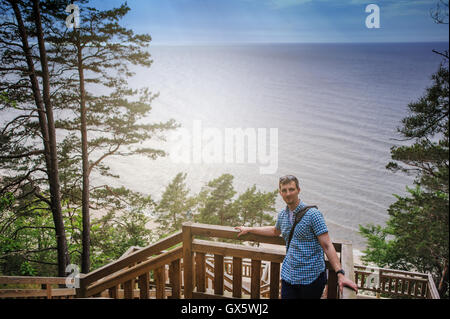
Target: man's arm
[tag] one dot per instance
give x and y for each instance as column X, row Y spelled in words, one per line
column 329, row 250
column 264, row 230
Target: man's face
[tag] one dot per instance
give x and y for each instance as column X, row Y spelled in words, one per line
column 289, row 192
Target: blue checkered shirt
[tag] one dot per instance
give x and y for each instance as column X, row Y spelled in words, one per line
column 304, row 260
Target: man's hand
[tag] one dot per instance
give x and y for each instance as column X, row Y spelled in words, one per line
column 243, row 230
column 344, row 281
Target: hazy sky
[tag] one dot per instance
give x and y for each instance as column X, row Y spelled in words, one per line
column 231, row 21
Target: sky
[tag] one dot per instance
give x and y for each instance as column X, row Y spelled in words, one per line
column 285, row 21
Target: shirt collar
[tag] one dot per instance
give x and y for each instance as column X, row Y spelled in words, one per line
column 295, row 211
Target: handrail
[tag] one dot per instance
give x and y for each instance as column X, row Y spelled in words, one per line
column 276, row 257
column 395, row 282
column 226, row 232
column 46, row 282
column 347, row 266
column 394, row 271
column 204, row 246
column 135, row 257
column 136, row 271
column 432, row 292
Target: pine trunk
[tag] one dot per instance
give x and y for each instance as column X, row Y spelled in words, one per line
column 53, row 171
column 86, row 238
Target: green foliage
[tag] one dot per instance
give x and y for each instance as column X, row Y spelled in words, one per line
column 114, row 233
column 175, row 206
column 27, row 241
column 215, row 202
column 416, row 236
column 252, row 207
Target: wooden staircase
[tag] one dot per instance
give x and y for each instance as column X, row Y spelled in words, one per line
column 184, row 266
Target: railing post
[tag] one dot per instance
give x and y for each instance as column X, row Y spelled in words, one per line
column 255, row 279
column 144, row 287
column 332, row 284
column 218, row 274
column 347, row 265
column 200, row 268
column 188, row 264
column 128, row 289
column 81, row 292
column 274, row 280
column 114, row 292
column 160, row 281
column 175, row 278
column 237, row 277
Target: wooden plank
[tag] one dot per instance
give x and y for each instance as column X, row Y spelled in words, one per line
column 138, row 256
column 205, row 295
column 30, row 293
column 160, row 280
column 434, row 294
column 227, row 249
column 332, row 292
column 48, row 289
column 128, row 287
column 188, row 264
column 200, row 269
column 175, row 278
column 396, row 285
column 113, row 292
column 16, row 280
column 423, row 289
column 394, row 277
column 393, row 272
column 218, row 274
column 237, row 277
column 136, row 270
column 274, row 280
column 256, row 279
column 144, row 286
column 410, row 286
column 231, row 233
column 347, row 265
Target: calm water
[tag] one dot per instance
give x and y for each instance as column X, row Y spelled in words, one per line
column 336, row 107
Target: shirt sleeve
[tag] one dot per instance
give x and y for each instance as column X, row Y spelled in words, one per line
column 318, row 223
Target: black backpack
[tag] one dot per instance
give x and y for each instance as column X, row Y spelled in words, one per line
column 298, row 218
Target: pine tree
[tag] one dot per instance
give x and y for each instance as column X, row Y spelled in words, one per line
column 254, row 207
column 175, row 206
column 95, row 57
column 25, row 139
column 417, row 232
column 215, row 202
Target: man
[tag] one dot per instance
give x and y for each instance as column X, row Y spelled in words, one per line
column 303, row 273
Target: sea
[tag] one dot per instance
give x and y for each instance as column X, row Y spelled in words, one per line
column 335, row 109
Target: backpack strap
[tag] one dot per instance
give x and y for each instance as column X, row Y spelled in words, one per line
column 298, row 218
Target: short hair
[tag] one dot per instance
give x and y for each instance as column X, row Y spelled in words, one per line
column 287, row 179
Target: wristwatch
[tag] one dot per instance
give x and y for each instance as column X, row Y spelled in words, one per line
column 340, row 271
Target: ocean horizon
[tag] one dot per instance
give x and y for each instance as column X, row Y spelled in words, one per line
column 336, row 108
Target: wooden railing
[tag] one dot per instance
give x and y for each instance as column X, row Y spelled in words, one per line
column 34, row 287
column 195, row 266
column 168, row 269
column 132, row 273
column 389, row 282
